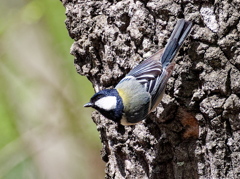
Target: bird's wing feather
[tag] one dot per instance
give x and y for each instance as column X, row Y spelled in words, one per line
column 160, row 85
column 146, row 73
column 152, row 77
column 148, row 69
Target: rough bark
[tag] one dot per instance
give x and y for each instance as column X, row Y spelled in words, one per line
column 195, row 131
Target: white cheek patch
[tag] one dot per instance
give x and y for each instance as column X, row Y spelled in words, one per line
column 107, row 103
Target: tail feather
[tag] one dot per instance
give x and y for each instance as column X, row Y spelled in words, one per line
column 179, row 34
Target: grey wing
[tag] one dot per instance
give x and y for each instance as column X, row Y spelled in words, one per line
column 153, row 78
column 146, row 73
column 160, row 85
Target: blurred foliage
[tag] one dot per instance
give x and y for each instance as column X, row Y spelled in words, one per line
column 44, row 130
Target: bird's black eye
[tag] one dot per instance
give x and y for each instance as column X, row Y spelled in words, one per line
column 97, row 97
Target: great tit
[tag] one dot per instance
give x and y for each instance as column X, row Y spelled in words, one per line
column 142, row 89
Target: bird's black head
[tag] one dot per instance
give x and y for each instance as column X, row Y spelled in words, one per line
column 108, row 103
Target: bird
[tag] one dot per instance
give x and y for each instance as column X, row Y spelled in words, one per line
column 142, row 89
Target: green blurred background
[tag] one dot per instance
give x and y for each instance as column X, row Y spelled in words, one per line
column 44, row 130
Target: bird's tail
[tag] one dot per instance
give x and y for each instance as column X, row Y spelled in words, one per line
column 179, row 34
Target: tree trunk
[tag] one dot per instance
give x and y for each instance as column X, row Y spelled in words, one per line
column 194, row 133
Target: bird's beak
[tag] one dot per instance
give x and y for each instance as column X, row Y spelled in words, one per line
column 88, row 104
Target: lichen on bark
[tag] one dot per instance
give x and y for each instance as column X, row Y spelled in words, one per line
column 194, row 133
